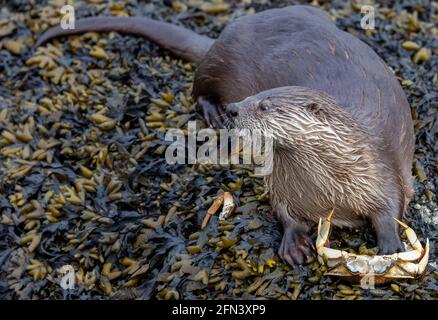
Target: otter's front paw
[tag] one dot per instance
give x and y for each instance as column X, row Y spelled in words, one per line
column 295, row 247
column 213, row 113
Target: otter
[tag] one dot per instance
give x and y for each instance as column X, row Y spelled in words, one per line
column 341, row 123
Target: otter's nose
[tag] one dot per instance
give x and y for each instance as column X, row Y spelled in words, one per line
column 232, row 110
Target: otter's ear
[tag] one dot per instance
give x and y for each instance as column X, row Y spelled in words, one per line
column 314, row 108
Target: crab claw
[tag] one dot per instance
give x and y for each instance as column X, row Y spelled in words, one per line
column 326, row 255
column 228, row 206
column 423, row 262
column 323, row 230
column 417, row 251
column 225, row 199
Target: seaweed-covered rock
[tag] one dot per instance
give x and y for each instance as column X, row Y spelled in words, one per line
column 84, row 182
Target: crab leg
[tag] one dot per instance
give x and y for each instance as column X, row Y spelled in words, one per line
column 213, row 209
column 416, row 269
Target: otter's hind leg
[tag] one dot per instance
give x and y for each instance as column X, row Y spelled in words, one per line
column 213, row 112
column 387, row 232
column 296, row 244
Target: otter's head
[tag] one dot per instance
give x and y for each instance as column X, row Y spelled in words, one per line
column 319, row 145
column 292, row 115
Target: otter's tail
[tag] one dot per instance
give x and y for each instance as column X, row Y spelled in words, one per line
column 182, row 42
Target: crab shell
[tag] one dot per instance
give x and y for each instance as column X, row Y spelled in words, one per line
column 404, row 265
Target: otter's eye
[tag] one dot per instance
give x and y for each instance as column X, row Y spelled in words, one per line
column 263, row 106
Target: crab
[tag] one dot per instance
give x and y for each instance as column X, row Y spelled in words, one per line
column 403, row 265
column 225, row 199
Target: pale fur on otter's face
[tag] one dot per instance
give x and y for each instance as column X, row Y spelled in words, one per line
column 322, row 157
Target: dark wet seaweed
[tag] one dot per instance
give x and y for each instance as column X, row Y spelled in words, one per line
column 150, row 256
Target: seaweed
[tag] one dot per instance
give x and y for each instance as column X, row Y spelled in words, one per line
column 83, row 180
